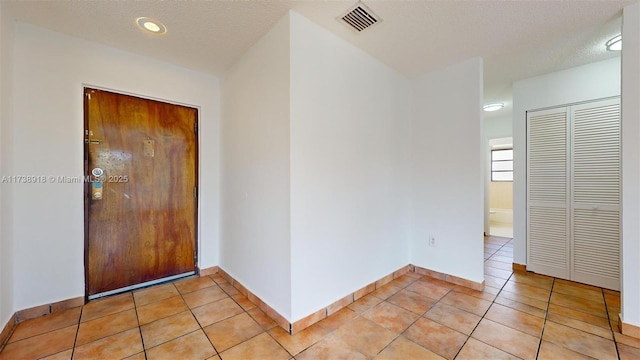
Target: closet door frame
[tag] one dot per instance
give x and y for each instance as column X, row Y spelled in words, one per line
column 569, row 272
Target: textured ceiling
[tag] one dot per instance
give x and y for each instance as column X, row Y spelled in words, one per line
column 516, row 39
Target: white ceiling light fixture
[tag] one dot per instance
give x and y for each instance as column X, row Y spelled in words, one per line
column 151, row 25
column 615, row 43
column 493, row 107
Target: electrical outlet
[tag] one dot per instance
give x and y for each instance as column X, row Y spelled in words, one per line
column 432, row 241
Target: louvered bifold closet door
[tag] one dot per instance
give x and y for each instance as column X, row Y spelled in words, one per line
column 548, row 194
column 596, row 179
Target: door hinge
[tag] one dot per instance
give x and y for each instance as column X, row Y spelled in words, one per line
column 195, row 127
column 195, row 192
column 88, row 95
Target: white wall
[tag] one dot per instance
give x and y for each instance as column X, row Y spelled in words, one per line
column 255, row 242
column 448, row 171
column 6, row 241
column 495, row 128
column 631, row 166
column 349, row 168
column 583, row 83
column 50, row 70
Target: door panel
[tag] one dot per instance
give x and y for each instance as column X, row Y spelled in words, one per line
column 597, row 179
column 143, row 226
column 548, row 249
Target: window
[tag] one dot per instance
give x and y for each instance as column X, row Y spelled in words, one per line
column 502, row 165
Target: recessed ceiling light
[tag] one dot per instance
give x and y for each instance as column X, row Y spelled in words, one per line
column 151, row 25
column 615, row 43
column 493, row 107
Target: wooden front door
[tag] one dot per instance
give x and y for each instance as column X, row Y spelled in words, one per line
column 140, row 191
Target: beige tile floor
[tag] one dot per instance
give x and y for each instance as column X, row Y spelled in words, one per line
column 518, row 315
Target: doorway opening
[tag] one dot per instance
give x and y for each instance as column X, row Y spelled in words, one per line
column 501, row 187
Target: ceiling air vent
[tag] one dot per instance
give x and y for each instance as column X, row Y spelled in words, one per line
column 360, row 17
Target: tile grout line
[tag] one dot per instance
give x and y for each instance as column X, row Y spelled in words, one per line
column 485, row 313
column 196, row 318
column 610, row 327
column 282, row 346
column 613, row 335
column 178, row 337
column 546, row 311
column 75, row 339
column 135, row 309
column 234, row 300
column 190, row 311
column 251, row 317
column 437, row 302
column 415, row 321
column 414, row 280
column 357, row 316
column 386, row 300
column 371, row 308
column 75, row 345
column 546, row 315
column 48, row 332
